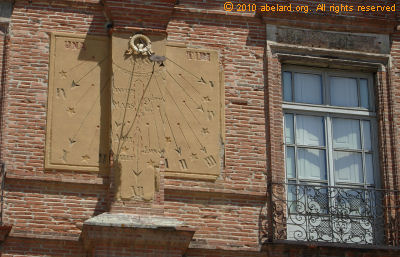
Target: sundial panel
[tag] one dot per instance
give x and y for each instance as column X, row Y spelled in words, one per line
column 137, row 119
column 163, row 109
column 78, row 112
column 193, row 103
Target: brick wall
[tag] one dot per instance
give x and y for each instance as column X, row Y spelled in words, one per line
column 20, row 246
column 2, row 37
column 47, row 208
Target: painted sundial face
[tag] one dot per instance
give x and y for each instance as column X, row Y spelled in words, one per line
column 165, row 112
column 78, row 123
column 173, row 111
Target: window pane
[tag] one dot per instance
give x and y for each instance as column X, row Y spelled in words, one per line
column 311, row 164
column 346, row 133
column 289, row 138
column 307, row 88
column 310, row 130
column 369, row 169
column 292, row 197
column 344, row 92
column 364, row 93
column 367, row 135
column 287, row 86
column 290, row 167
column 348, row 167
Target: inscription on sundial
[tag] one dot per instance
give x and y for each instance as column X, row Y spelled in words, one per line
column 78, row 112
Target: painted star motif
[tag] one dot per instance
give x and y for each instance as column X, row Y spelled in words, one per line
column 124, row 149
column 207, row 98
column 151, row 163
column 203, row 149
column 205, row 131
column 63, row 74
column 85, row 158
column 71, row 110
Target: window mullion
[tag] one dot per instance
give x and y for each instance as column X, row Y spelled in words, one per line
column 363, row 152
column 295, row 148
column 329, row 149
column 359, row 92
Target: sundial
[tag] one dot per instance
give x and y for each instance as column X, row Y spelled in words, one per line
column 165, row 104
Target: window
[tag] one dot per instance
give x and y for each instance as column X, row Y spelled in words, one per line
column 330, row 155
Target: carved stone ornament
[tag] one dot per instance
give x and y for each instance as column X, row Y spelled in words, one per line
column 139, row 44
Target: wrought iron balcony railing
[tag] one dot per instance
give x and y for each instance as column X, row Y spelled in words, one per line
column 332, row 214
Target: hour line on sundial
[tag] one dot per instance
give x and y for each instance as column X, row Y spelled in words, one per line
column 183, row 68
column 155, row 122
column 183, row 89
column 159, row 89
column 190, row 110
column 183, row 134
column 121, row 142
column 138, row 111
column 90, row 89
column 80, row 63
column 91, row 69
column 91, row 108
column 172, row 132
column 190, row 84
column 95, row 135
column 183, row 116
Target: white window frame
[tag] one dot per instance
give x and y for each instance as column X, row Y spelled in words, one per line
column 328, row 112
